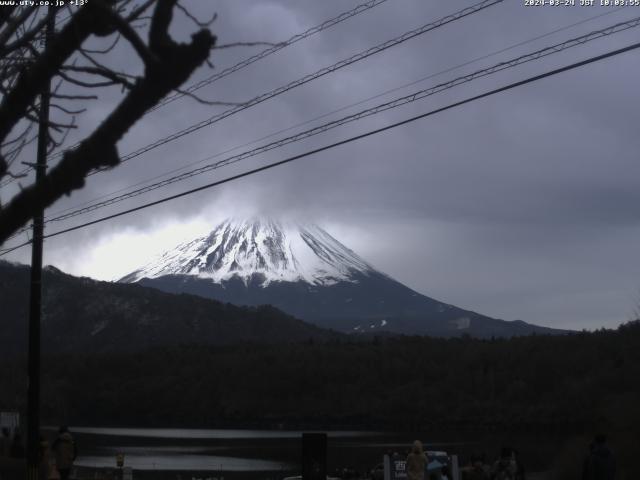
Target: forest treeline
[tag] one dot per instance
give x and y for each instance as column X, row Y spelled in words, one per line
column 574, row 382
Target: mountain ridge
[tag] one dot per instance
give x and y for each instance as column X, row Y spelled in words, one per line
column 304, row 271
column 85, row 315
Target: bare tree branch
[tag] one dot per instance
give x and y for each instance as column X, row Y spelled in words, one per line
column 24, row 133
column 114, row 77
column 16, row 175
column 207, row 102
column 197, row 22
column 74, row 97
column 31, row 81
column 27, row 37
column 5, row 14
column 57, row 126
column 130, row 34
column 13, row 24
column 135, row 14
column 105, row 50
column 83, row 83
column 58, row 143
column 66, row 110
column 172, row 65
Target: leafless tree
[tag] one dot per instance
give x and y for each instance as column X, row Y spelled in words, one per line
column 77, row 73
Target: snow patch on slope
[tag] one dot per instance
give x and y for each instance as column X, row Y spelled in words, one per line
column 462, row 323
column 98, row 327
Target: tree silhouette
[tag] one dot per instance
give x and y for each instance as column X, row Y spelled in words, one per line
column 26, row 67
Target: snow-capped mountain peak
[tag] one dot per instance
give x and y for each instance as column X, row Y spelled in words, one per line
column 259, row 248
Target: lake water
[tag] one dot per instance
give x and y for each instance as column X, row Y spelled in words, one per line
column 200, row 452
column 228, row 434
column 196, row 450
column 274, row 454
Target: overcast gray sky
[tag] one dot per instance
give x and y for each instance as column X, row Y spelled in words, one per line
column 524, row 205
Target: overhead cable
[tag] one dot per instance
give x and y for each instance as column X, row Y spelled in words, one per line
column 347, row 140
column 308, row 78
column 341, row 109
column 421, row 94
column 363, row 7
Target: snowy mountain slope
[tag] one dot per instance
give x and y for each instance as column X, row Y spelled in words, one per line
column 304, row 271
column 272, row 250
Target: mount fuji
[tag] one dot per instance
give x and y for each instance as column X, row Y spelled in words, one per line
column 304, row 271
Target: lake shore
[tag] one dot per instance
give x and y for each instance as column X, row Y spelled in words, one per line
column 238, row 453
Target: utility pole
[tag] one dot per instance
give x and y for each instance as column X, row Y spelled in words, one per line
column 35, row 307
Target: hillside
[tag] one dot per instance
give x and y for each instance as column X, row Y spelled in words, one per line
column 304, row 271
column 85, row 315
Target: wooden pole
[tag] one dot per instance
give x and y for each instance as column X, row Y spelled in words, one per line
column 35, row 304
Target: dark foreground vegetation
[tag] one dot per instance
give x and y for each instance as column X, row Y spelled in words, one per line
column 573, row 385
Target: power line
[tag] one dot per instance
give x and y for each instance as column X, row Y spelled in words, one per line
column 421, row 94
column 324, row 71
column 349, row 140
column 341, row 109
column 308, row 78
column 319, row 73
column 273, row 49
column 6, row 251
column 9, row 180
column 363, row 7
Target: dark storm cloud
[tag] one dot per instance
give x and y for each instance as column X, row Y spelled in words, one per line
column 522, row 205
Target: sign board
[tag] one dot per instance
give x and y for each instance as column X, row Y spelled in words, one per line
column 395, row 468
column 10, row 420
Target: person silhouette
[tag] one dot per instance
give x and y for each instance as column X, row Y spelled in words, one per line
column 65, row 452
column 416, row 462
column 599, row 463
